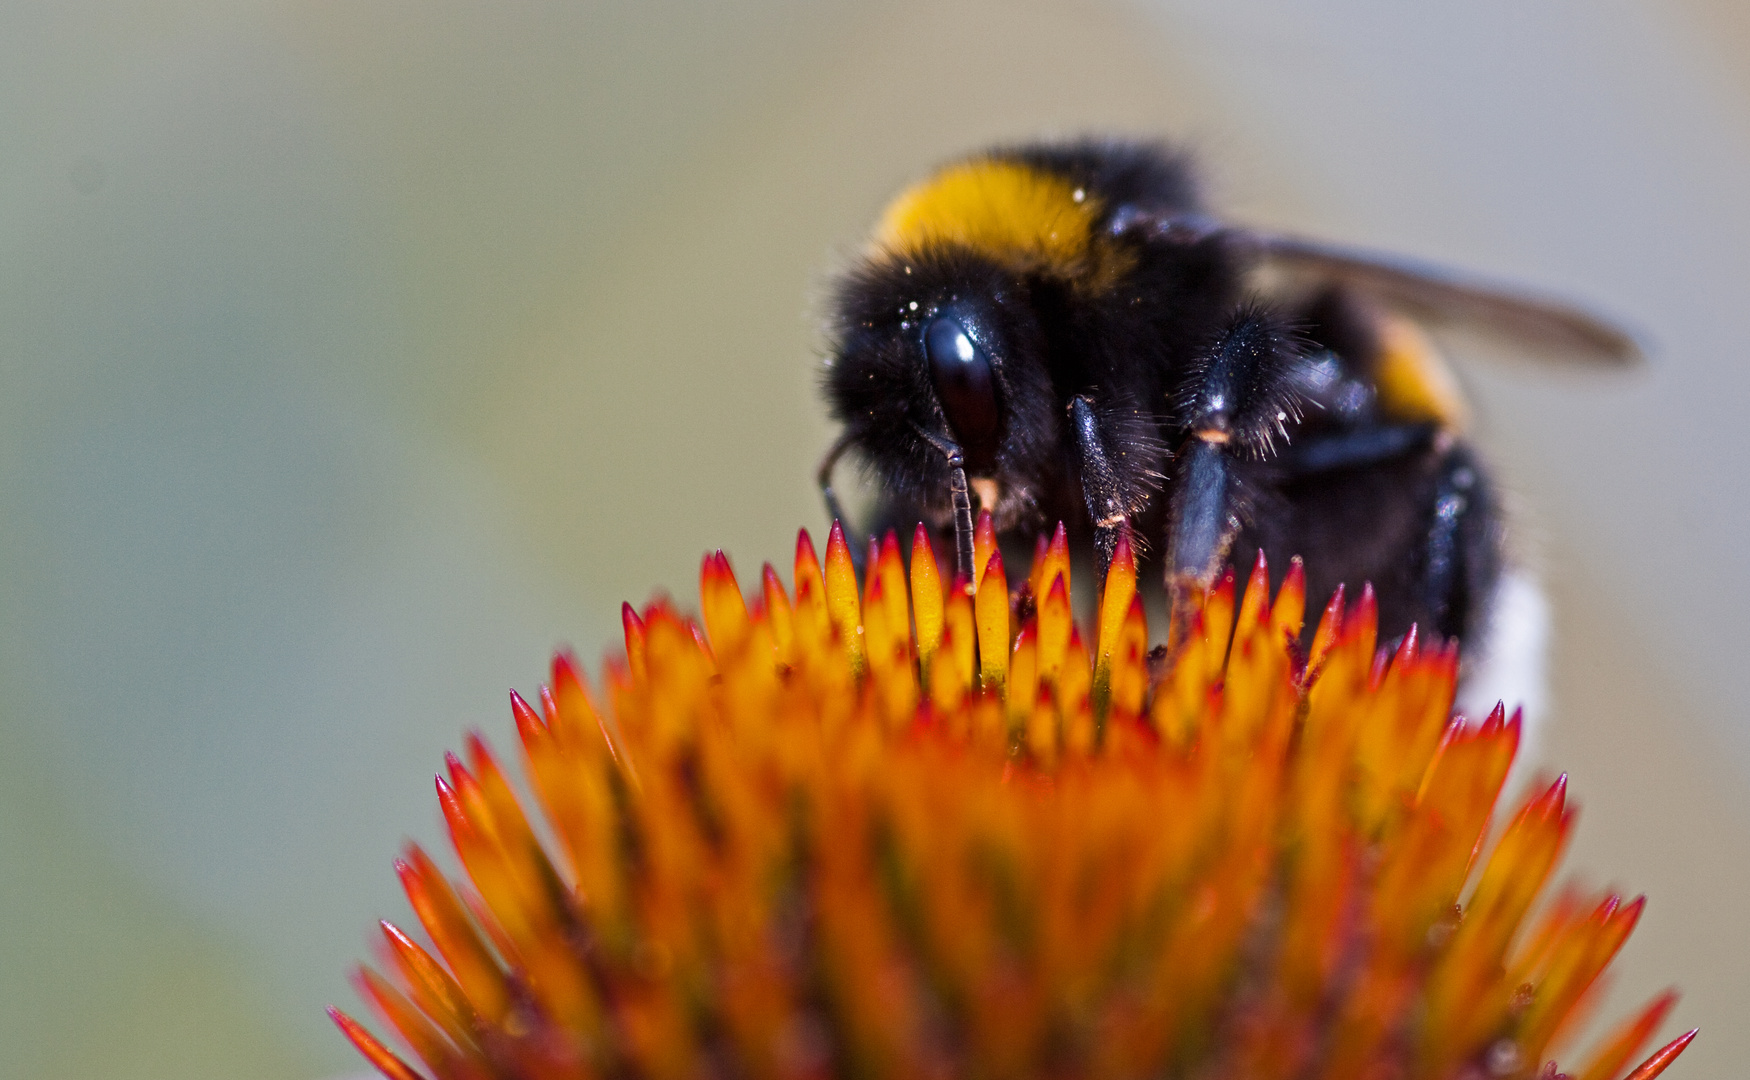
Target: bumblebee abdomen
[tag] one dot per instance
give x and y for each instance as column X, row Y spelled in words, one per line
column 1413, row 379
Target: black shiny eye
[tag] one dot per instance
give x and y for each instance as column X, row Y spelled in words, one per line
column 964, row 383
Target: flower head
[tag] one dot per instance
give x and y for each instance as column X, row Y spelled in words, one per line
column 878, row 829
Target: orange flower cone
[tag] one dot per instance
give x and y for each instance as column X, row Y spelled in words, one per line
column 888, row 829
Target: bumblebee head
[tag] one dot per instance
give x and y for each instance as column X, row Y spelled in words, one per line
column 939, row 343
column 942, row 349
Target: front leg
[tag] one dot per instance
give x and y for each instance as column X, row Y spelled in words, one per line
column 1238, row 400
column 1119, row 456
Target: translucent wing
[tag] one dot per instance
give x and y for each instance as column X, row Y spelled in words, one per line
column 1434, row 294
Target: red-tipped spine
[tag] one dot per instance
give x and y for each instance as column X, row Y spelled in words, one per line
column 721, row 604
column 984, row 543
column 1288, row 609
column 528, row 723
column 1255, row 605
column 634, row 627
column 926, row 600
column 809, row 590
column 437, row 993
column 381, row 1057
column 1054, row 627
column 415, row 1027
column 1330, row 626
column 1623, row 1043
column 1662, row 1059
column 842, row 604
column 779, row 617
column 991, row 609
column 444, row 918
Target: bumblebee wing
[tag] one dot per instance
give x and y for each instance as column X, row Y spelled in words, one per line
column 1434, row 294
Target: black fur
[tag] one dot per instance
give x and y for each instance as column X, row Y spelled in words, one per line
column 1172, row 398
column 1246, row 383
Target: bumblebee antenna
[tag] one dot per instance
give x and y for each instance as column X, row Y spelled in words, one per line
column 962, row 517
column 961, row 499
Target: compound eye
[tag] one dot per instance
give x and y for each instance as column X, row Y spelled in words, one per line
column 964, row 383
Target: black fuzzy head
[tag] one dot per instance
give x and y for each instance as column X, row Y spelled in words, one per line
column 900, row 326
column 994, row 294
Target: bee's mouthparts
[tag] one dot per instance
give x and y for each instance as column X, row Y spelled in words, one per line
column 987, row 490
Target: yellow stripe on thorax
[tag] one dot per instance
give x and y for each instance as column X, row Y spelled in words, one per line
column 1014, row 214
column 1412, row 378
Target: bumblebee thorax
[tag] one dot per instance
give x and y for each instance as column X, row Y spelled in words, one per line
column 1022, row 218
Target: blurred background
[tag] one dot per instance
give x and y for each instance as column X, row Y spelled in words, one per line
column 354, row 354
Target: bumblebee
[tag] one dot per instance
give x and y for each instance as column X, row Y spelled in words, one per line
column 1060, row 332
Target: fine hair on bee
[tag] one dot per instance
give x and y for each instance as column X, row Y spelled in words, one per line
column 1062, row 332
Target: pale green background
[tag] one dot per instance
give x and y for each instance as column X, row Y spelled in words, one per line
column 353, row 354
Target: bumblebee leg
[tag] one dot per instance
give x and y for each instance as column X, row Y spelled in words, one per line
column 1204, row 517
column 1461, row 553
column 1354, row 449
column 1238, row 400
column 1102, row 487
column 1240, row 397
column 834, row 511
column 823, row 477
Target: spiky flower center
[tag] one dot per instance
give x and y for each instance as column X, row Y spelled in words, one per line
column 869, row 829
